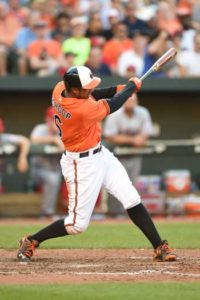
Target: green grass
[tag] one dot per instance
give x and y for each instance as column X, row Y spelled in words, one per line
column 116, row 291
column 180, row 235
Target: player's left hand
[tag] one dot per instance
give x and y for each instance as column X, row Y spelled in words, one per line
column 137, row 82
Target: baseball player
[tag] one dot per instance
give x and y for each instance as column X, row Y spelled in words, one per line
column 87, row 165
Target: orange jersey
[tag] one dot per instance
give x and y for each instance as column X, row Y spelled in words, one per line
column 50, row 46
column 78, row 119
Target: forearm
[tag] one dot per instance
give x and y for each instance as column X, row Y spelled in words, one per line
column 138, row 140
column 104, row 93
column 107, row 92
column 157, row 46
column 55, row 140
column 37, row 63
column 120, row 139
column 43, row 140
column 24, row 147
column 120, row 98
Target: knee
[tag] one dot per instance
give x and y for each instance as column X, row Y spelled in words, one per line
column 73, row 230
column 132, row 203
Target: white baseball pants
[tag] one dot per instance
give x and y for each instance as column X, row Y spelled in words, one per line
column 84, row 178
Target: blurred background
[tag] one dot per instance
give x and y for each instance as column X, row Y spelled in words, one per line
column 40, row 40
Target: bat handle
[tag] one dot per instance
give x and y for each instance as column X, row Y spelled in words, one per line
column 145, row 75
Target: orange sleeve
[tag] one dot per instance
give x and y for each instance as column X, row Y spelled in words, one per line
column 32, row 50
column 95, row 111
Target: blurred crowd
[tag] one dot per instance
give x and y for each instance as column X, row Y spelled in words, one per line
column 112, row 37
column 44, row 173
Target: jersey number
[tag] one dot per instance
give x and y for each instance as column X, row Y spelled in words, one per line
column 58, row 123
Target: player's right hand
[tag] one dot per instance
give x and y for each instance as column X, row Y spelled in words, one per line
column 137, row 82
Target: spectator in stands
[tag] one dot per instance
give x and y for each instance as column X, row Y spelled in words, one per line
column 109, row 17
column 43, row 53
column 46, row 9
column 189, row 60
column 78, row 43
column 45, row 170
column 95, row 30
column 86, row 7
column 196, row 14
column 131, row 62
column 61, row 31
column 9, row 26
column 119, row 6
column 155, row 49
column 26, row 35
column 131, row 127
column 70, row 28
column 131, row 21
column 16, row 9
column 114, row 47
column 113, row 17
column 95, row 63
column 171, row 69
column 184, row 12
column 71, row 7
column 66, row 62
column 149, row 15
column 18, row 140
column 167, row 18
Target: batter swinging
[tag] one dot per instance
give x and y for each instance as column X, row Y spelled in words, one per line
column 87, row 165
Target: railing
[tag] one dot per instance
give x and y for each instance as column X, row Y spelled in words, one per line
column 152, row 147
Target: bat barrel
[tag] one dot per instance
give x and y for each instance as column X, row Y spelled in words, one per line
column 160, row 62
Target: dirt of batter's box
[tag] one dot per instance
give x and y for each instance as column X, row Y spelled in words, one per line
column 83, row 265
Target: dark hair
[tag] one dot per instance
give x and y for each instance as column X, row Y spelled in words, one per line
column 62, row 15
column 71, row 79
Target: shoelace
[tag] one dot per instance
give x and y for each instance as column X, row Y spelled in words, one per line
column 166, row 247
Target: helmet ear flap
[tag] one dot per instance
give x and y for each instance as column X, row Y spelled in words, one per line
column 71, row 79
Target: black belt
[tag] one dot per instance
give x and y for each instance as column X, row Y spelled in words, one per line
column 85, row 154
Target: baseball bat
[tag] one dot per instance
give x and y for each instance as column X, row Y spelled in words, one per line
column 160, row 62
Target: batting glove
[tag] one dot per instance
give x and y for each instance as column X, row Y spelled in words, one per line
column 137, row 82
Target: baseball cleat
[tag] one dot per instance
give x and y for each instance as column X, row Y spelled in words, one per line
column 26, row 249
column 164, row 253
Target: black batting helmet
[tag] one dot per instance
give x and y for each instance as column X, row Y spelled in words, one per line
column 80, row 77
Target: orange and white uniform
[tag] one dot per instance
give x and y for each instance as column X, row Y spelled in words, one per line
column 86, row 164
column 78, row 120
